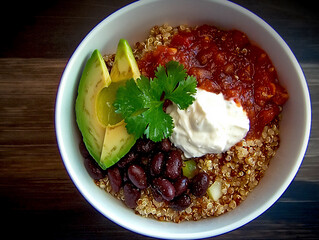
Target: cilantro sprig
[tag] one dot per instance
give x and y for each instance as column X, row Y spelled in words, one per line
column 140, row 101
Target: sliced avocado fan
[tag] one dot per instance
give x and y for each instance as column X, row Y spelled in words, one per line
column 103, row 131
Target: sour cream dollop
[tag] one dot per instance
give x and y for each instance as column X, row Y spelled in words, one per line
column 211, row 124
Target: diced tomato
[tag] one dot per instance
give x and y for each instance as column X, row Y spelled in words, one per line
column 182, row 40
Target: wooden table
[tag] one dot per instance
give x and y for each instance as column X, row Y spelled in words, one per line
column 38, row 199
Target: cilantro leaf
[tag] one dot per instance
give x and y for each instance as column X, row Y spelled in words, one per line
column 136, row 125
column 125, row 104
column 156, row 130
column 141, row 101
column 171, row 76
column 183, row 93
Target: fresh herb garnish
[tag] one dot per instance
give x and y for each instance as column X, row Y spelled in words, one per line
column 141, row 101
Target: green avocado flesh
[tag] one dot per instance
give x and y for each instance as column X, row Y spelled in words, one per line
column 105, row 100
column 117, row 143
column 103, row 131
column 94, row 79
column 125, row 66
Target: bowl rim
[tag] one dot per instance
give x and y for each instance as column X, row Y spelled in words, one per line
column 232, row 226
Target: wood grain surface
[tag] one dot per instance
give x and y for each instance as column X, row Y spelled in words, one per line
column 39, row 200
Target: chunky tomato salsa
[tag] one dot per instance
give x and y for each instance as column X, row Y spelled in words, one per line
column 226, row 62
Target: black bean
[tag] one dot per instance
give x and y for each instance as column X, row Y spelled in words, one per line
column 127, row 159
column 137, row 176
column 200, row 184
column 157, row 164
column 173, row 166
column 156, row 195
column 115, row 178
column 181, row 202
column 165, row 188
column 165, row 145
column 145, row 146
column 93, row 169
column 181, row 185
column 131, row 195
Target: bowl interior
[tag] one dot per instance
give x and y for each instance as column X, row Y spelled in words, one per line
column 125, row 24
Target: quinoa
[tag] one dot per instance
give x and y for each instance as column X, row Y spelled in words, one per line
column 239, row 170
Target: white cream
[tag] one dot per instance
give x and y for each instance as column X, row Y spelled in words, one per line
column 210, row 125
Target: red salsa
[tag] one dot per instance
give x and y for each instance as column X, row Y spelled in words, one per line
column 226, row 62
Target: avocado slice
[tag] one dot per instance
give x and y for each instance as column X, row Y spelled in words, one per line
column 103, row 131
column 94, row 79
column 125, row 66
column 117, row 142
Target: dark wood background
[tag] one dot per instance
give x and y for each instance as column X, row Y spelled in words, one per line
column 38, row 199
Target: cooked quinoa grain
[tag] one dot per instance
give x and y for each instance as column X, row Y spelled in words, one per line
column 237, row 171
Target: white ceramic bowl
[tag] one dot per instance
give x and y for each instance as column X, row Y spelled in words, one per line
column 133, row 22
